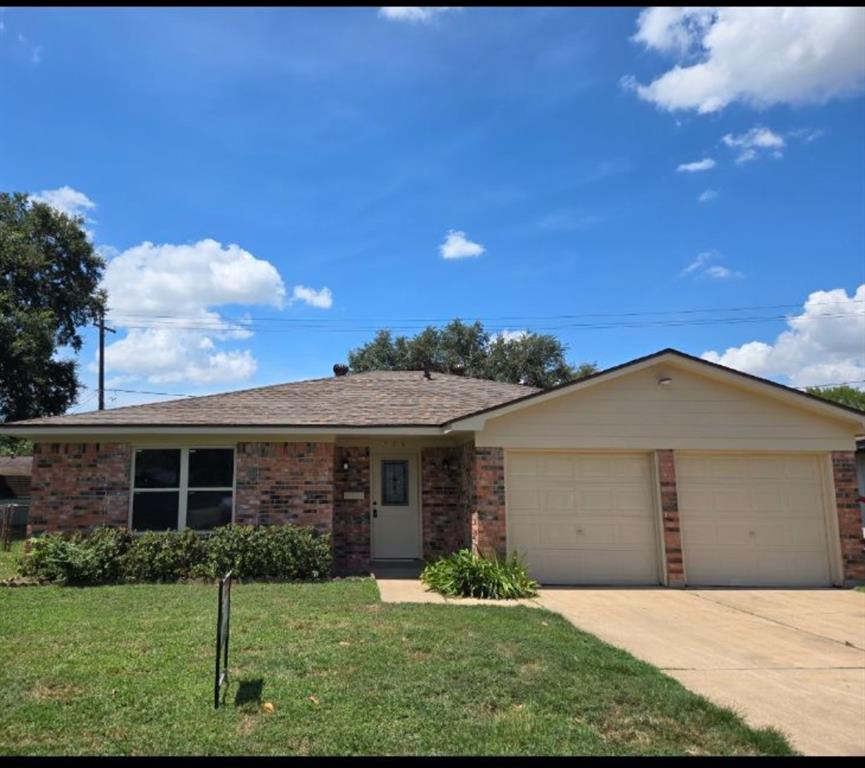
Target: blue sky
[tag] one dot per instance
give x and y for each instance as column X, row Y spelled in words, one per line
column 263, row 156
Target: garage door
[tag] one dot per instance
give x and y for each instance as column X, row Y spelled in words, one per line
column 752, row 520
column 583, row 518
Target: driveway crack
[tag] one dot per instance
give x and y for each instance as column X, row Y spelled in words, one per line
column 843, row 643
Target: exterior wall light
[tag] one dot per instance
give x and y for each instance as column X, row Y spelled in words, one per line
column 345, row 465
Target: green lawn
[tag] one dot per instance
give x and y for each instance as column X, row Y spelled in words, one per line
column 128, row 670
column 9, row 560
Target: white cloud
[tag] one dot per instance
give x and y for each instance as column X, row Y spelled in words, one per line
column 706, row 164
column 507, row 335
column 718, row 272
column 707, row 195
column 163, row 296
column 66, row 200
column 168, row 355
column 700, row 267
column 824, row 344
column 414, row 14
column 756, row 56
column 457, row 246
column 754, row 141
column 322, row 299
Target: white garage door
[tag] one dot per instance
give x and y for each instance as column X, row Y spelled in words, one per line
column 583, row 518
column 752, row 520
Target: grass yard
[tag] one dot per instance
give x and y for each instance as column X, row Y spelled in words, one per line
column 9, row 560
column 128, row 670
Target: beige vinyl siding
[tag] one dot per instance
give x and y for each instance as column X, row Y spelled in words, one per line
column 692, row 412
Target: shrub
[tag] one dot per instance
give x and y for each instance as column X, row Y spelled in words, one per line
column 164, row 556
column 465, row 574
column 111, row 555
column 75, row 559
column 284, row 552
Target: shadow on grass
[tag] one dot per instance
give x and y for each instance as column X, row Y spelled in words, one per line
column 249, row 693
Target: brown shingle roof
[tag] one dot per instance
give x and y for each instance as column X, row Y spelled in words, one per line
column 377, row 398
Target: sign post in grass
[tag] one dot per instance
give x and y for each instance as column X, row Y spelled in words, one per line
column 223, row 616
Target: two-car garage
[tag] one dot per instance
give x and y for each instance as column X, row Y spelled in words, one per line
column 593, row 518
column 673, row 470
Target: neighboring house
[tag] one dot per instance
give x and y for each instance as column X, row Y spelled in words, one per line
column 667, row 469
column 860, row 473
column 15, row 486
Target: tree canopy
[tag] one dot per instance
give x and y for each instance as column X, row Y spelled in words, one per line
column 49, row 289
column 843, row 394
column 534, row 359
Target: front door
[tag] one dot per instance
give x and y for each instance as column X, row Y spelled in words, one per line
column 395, row 509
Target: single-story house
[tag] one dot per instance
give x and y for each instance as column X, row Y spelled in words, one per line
column 665, row 470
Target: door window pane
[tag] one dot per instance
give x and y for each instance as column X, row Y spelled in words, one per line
column 208, row 509
column 157, row 468
column 211, row 467
column 155, row 511
column 394, row 483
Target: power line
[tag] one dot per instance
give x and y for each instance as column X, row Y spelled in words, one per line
column 835, row 384
column 243, row 321
column 141, row 391
column 221, row 327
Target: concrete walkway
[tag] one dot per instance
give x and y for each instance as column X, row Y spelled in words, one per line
column 412, row 591
column 791, row 659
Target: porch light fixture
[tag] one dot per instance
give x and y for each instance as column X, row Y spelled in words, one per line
column 446, row 465
column 665, row 381
column 345, row 465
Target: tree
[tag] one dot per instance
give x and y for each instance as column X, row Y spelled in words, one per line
column 528, row 358
column 843, row 394
column 49, row 288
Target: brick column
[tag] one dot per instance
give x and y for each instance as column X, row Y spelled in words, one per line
column 666, row 462
column 486, row 476
column 441, row 502
column 849, row 519
column 351, row 524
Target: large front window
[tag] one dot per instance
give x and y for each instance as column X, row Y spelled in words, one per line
column 177, row 488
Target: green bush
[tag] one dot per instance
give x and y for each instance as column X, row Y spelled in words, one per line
column 465, row 574
column 111, row 555
column 76, row 559
column 164, row 556
column 285, row 552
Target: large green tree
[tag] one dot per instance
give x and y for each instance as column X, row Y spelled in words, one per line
column 535, row 359
column 49, row 289
column 844, row 394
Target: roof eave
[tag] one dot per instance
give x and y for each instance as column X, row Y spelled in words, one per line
column 87, row 430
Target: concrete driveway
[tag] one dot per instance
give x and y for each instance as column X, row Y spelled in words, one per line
column 792, row 659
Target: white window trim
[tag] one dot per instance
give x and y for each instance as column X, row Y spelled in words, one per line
column 183, row 489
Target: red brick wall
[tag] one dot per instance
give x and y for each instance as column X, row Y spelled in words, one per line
column 444, row 529
column 279, row 483
column 351, row 524
column 849, row 519
column 78, row 486
column 485, row 478
column 670, row 515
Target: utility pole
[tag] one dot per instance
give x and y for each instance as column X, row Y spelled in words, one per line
column 102, row 328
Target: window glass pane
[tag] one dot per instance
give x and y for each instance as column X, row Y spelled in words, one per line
column 157, row 468
column 211, row 467
column 208, row 509
column 155, row 511
column 394, row 483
